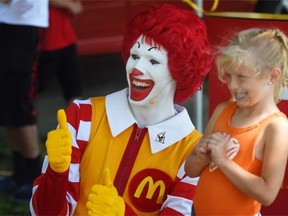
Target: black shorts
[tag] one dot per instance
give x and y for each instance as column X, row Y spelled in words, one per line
column 63, row 63
column 17, row 56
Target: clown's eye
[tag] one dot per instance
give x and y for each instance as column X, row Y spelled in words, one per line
column 134, row 56
column 153, row 62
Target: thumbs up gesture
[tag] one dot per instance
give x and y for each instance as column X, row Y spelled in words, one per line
column 59, row 145
column 104, row 199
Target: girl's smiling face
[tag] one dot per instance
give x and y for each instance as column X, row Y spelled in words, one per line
column 148, row 75
column 244, row 85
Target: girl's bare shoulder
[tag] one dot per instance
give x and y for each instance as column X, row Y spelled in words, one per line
column 278, row 128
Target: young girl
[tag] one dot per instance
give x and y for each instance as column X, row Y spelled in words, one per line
column 242, row 156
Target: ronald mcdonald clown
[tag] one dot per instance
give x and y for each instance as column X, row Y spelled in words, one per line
column 123, row 154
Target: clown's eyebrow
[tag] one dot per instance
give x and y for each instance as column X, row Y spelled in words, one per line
column 158, row 48
column 155, row 47
column 138, row 44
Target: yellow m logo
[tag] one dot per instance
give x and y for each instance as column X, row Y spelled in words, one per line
column 151, row 188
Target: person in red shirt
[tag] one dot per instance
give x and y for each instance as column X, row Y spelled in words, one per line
column 58, row 50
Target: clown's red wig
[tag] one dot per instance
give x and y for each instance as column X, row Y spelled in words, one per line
column 183, row 34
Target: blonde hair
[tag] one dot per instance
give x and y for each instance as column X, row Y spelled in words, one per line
column 259, row 50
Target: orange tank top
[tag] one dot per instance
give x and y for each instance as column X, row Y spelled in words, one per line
column 215, row 194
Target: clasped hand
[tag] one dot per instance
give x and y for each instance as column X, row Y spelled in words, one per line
column 213, row 148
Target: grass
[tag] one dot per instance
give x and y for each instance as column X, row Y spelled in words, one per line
column 8, row 208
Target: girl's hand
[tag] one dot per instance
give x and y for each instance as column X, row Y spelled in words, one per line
column 202, row 152
column 217, row 144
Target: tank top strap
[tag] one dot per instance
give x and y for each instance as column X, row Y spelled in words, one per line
column 228, row 111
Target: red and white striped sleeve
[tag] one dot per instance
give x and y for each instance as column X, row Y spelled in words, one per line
column 179, row 201
column 54, row 193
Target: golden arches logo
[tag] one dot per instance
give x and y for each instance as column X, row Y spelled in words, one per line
column 151, row 189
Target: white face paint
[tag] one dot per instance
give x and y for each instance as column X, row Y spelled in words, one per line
column 148, row 75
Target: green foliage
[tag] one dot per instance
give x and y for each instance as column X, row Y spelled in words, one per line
column 9, row 208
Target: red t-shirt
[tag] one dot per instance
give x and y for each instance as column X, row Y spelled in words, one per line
column 60, row 32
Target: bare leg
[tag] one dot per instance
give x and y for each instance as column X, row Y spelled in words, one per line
column 24, row 140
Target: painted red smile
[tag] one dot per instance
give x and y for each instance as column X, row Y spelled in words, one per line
column 140, row 89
